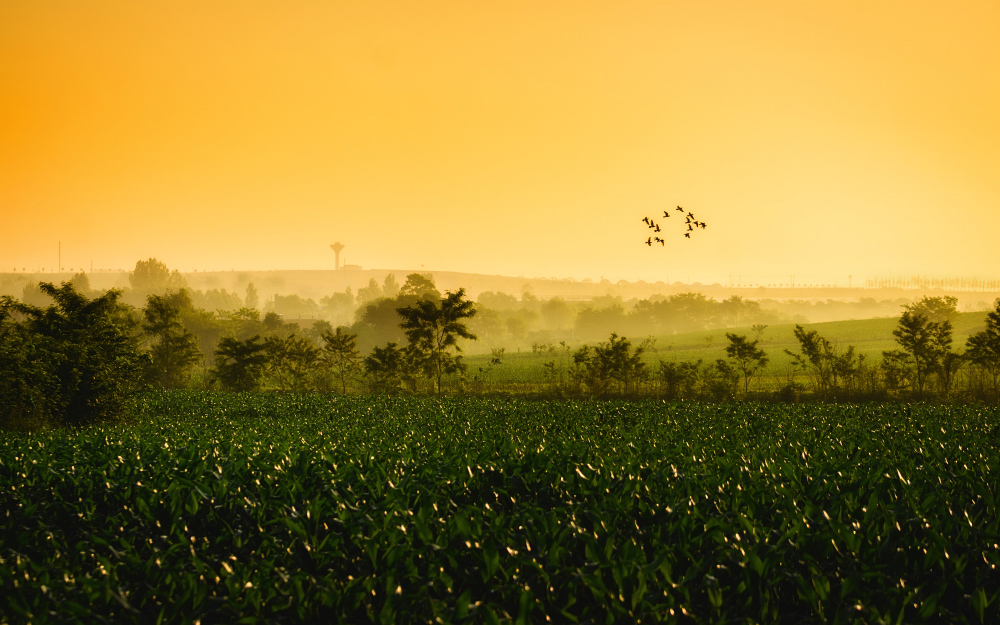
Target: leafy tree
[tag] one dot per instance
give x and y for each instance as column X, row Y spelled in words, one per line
column 517, row 328
column 830, row 369
column 152, row 276
column 85, row 353
column 369, row 293
column 720, row 381
column 81, row 282
column 433, row 329
column 174, row 351
column 897, row 370
column 612, row 363
column 382, row 321
column 420, row 286
column 217, row 299
column 984, row 348
column 593, row 322
column 340, row 353
column 242, row 323
column 273, row 323
column 390, row 288
column 294, row 306
column 339, row 307
column 925, row 341
column 557, row 314
column 389, row 367
column 679, row 379
column 29, row 389
column 746, row 356
column 497, row 301
column 239, row 365
column 291, row 361
column 252, row 299
column 936, row 309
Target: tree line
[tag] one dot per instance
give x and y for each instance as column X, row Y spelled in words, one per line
column 78, row 359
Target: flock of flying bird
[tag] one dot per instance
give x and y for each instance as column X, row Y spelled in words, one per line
column 690, row 222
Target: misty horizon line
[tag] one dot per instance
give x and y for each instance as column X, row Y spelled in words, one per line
column 791, row 281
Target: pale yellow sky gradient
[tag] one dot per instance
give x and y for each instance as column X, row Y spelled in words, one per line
column 815, row 139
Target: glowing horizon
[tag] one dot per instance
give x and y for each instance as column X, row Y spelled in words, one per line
column 815, row 141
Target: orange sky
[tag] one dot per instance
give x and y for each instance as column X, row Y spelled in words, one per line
column 815, row 139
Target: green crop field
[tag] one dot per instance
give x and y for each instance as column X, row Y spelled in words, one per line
column 270, row 508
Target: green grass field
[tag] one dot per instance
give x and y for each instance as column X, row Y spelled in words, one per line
column 870, row 337
column 271, row 508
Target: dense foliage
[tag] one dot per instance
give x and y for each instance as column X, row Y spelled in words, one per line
column 307, row 508
column 75, row 361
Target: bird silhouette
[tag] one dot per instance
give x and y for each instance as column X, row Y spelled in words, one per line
column 690, row 221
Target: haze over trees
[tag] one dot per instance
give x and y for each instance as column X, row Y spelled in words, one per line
column 77, row 356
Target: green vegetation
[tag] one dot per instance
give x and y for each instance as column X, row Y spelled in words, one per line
column 311, row 508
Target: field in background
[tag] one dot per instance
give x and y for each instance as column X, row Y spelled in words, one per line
column 870, row 337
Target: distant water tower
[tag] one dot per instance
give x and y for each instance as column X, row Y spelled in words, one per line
column 336, row 247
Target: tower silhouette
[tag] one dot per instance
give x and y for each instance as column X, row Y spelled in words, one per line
column 336, row 247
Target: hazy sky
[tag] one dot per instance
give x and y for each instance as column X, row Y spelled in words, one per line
column 815, row 139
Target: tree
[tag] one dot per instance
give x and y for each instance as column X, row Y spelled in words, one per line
column 29, row 389
column 936, row 309
column 925, row 341
column 420, row 286
column 252, row 299
column 85, row 352
column 679, row 378
column 239, row 365
column 557, row 314
column 152, row 276
column 897, row 370
column 746, row 356
column 619, row 363
column 433, row 328
column 387, row 368
column 370, row 293
column 814, row 357
column 611, row 362
column 984, row 348
column 390, row 288
column 291, row 361
column 174, row 351
column 340, row 353
column 339, row 307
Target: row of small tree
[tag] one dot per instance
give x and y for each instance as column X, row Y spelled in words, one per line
column 432, row 328
column 924, row 366
column 78, row 359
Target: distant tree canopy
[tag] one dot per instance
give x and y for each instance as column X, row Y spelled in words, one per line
column 419, row 286
column 153, row 277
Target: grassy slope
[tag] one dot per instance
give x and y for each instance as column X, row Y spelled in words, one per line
column 869, row 337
